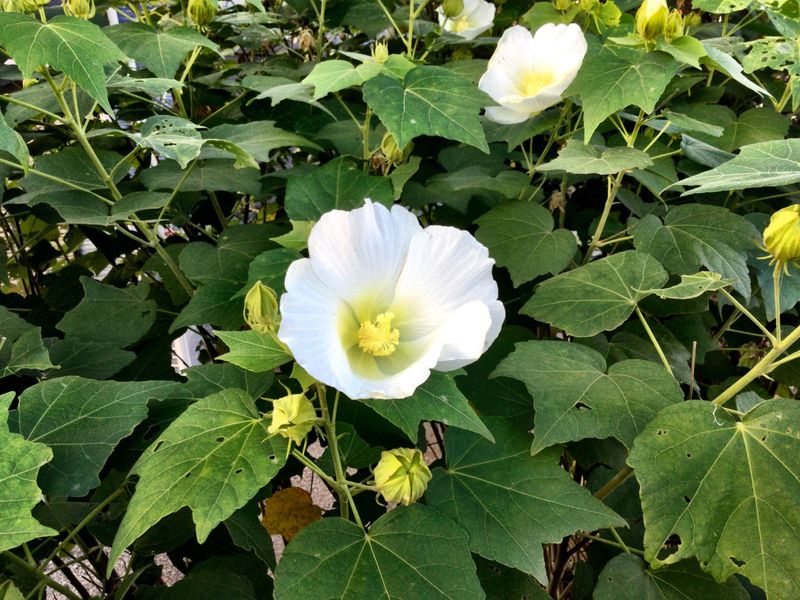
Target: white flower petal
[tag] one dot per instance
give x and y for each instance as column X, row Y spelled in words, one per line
column 560, row 49
column 499, row 83
column 475, row 17
column 515, row 51
column 506, row 115
column 463, row 336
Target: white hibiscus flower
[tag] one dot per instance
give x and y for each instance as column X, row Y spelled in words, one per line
column 528, row 73
column 476, row 17
column 381, row 301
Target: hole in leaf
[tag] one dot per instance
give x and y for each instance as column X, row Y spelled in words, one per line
column 582, row 406
column 764, row 438
column 687, row 499
column 661, row 432
column 237, row 471
column 674, row 540
column 272, row 458
column 736, row 561
column 158, row 446
column 189, row 474
column 220, row 439
column 688, row 455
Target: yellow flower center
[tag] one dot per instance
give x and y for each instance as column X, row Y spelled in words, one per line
column 377, row 337
column 535, row 81
column 460, row 25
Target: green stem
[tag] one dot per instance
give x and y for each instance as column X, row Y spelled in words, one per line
column 764, row 366
column 321, row 30
column 12, row 100
column 619, row 540
column 315, row 469
column 776, row 291
column 603, row 540
column 55, row 179
column 365, row 134
column 345, row 499
column 613, row 483
column 653, row 339
column 613, row 188
column 389, row 16
column 34, row 570
column 738, row 305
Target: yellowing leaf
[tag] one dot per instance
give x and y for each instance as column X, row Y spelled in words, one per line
column 288, row 511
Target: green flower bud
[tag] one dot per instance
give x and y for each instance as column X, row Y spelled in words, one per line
column 261, row 309
column 392, row 152
column 201, row 12
column 401, row 475
column 674, row 26
column 20, row 6
column 562, row 5
column 293, row 417
column 782, row 235
column 651, row 19
column 587, row 5
column 452, row 8
column 82, row 9
column 693, row 19
column 461, row 53
column 380, row 52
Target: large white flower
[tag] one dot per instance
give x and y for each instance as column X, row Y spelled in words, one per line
column 528, row 73
column 382, row 301
column 476, row 17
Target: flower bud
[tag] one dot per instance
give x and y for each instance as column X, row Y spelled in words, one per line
column 782, row 235
column 587, row 5
column 562, row 5
column 674, row 26
column 651, row 19
column 452, row 8
column 693, row 19
column 261, row 309
column 82, row 9
column 461, row 53
column 392, row 152
column 20, row 6
column 380, row 52
column 201, row 12
column 293, row 417
column 401, row 475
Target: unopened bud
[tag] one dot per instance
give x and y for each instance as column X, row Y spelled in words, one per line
column 693, row 19
column 306, row 40
column 401, row 475
column 82, row 9
column 782, row 235
column 392, row 152
column 651, row 19
column 293, row 417
column 261, row 309
column 562, row 5
column 674, row 26
column 201, row 12
column 587, row 5
column 380, row 52
column 452, row 8
column 461, row 53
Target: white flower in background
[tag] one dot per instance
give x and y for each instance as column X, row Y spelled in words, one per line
column 382, row 301
column 475, row 17
column 528, row 73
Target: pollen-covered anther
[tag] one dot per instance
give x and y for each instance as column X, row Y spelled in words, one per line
column 377, row 337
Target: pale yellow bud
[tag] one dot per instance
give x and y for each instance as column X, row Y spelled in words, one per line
column 674, row 26
column 782, row 235
column 651, row 19
column 82, row 9
column 587, row 5
column 392, row 152
column 201, row 12
column 401, row 475
column 452, row 8
column 261, row 311
column 562, row 5
column 380, row 52
column 293, row 417
column 693, row 19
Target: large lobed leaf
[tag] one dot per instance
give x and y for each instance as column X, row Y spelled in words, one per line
column 412, row 552
column 213, row 459
column 576, row 396
column 724, row 491
column 509, row 501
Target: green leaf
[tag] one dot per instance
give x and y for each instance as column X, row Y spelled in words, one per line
column 8, row 591
column 428, row 101
column 408, row 550
column 335, row 75
column 108, row 314
column 247, row 532
column 82, row 420
column 337, row 184
column 76, row 47
column 616, row 77
column 438, row 399
column 520, row 237
column 20, row 461
column 270, row 268
column 27, row 352
column 626, row 577
column 354, row 451
column 728, row 65
column 297, row 239
column 692, row 286
column 161, row 52
column 216, row 303
column 278, row 89
column 695, row 235
column 213, row 459
column 257, row 138
column 767, row 164
column 213, row 175
column 576, row 396
column 509, row 502
column 96, row 360
column 139, row 201
column 211, row 378
column 727, row 489
column 12, row 142
column 752, row 127
column 503, row 583
column 721, row 6
column 171, row 137
column 596, row 297
column 581, row 159
column 253, row 350
column 686, row 49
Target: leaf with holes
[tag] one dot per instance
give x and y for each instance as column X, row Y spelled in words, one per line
column 692, row 286
column 213, row 459
column 510, row 502
column 724, row 491
column 410, row 552
column 20, row 461
column 76, row 47
column 429, row 101
column 596, row 297
column 520, row 237
column 82, row 421
column 577, row 396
